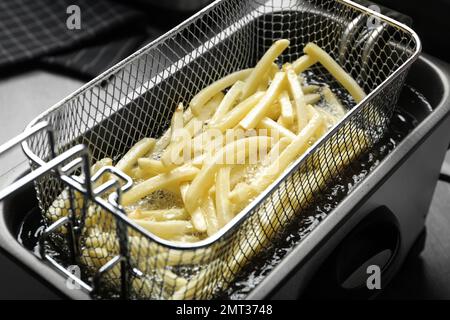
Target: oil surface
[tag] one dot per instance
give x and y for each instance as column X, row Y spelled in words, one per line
column 401, row 124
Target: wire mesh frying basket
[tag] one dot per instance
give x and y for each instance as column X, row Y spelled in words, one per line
column 137, row 98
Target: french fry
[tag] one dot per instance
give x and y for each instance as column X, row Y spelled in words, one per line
column 223, row 206
column 151, row 167
column 334, row 106
column 243, row 191
column 242, row 194
column 336, row 71
column 265, row 82
column 209, row 92
column 291, row 152
column 178, row 175
column 139, row 150
column 208, row 141
column 197, row 216
column 274, row 111
column 205, row 178
column 303, row 63
column 296, row 148
column 287, row 112
column 160, row 215
column 299, row 98
column 275, row 151
column 177, row 123
column 194, row 127
column 210, row 107
column 210, row 213
column 166, row 229
column 232, row 118
column 263, row 66
column 177, row 136
column 310, row 89
column 312, row 98
column 275, row 130
column 172, row 156
column 260, row 110
column 187, row 238
column 228, row 101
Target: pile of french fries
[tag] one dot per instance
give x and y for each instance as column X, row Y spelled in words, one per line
column 183, row 189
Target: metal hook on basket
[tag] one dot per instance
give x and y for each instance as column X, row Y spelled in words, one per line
column 25, row 180
column 348, row 35
column 369, row 45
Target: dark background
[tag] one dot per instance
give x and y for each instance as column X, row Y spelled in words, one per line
column 431, row 20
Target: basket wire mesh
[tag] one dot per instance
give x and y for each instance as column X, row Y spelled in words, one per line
column 137, row 98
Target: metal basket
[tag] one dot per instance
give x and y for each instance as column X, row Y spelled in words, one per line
column 136, row 99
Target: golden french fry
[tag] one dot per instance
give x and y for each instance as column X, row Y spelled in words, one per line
column 172, row 156
column 265, row 82
column 198, row 219
column 228, row 101
column 160, row 215
column 287, row 112
column 303, row 63
column 263, row 66
column 177, row 135
column 178, row 175
column 166, row 229
column 97, row 166
column 223, row 206
column 232, row 118
column 209, row 92
column 275, row 151
column 177, row 123
column 336, row 71
column 312, row 98
column 194, row 127
column 208, row 110
column 333, row 105
column 299, row 98
column 242, row 194
column 210, row 213
column 139, row 150
column 187, row 238
column 205, row 178
column 275, row 130
column 283, row 123
column 298, row 146
column 261, row 109
column 310, row 89
column 152, row 167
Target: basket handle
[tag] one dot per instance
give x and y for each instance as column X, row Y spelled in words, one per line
column 55, row 162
